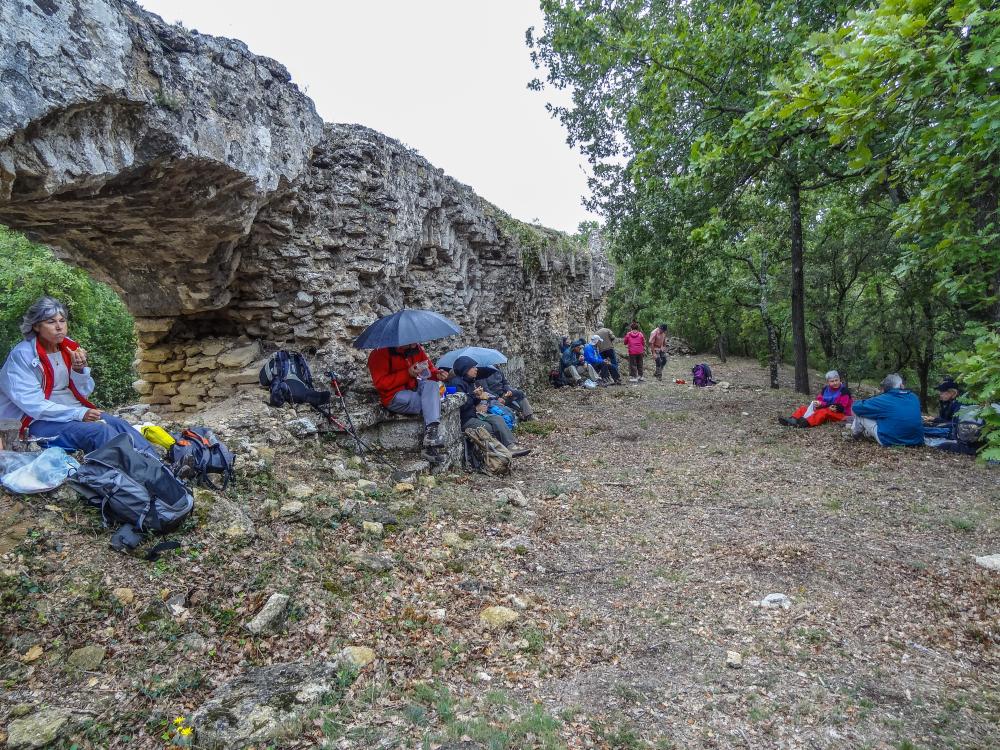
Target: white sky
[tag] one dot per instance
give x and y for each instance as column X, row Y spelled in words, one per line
column 446, row 77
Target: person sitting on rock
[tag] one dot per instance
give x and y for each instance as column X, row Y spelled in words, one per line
column 508, row 396
column 833, row 404
column 572, row 362
column 407, row 383
column 593, row 357
column 45, row 383
column 474, row 412
column 891, row 418
column 607, row 345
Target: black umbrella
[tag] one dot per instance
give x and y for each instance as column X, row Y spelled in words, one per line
column 406, row 327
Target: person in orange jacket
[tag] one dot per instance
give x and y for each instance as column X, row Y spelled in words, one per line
column 406, row 381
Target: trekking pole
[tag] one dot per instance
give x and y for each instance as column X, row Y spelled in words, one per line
column 363, row 446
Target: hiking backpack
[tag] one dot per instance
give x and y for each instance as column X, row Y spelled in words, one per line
column 702, row 375
column 131, row 487
column 486, row 454
column 556, row 379
column 288, row 377
column 199, row 448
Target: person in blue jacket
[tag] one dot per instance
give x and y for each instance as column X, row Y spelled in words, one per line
column 45, row 384
column 891, row 418
column 593, row 357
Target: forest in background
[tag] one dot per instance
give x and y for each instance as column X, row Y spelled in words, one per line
column 99, row 320
column 808, row 181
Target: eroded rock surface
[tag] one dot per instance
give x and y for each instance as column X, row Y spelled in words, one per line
column 198, row 180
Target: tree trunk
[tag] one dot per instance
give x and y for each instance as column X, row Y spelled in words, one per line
column 720, row 345
column 798, row 292
column 773, row 349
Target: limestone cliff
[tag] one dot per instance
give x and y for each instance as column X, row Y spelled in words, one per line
column 199, row 181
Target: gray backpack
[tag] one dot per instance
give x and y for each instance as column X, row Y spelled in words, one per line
column 131, row 487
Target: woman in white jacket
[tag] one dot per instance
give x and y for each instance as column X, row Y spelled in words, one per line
column 45, row 383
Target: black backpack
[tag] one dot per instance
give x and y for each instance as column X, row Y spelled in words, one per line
column 199, row 448
column 131, row 487
column 289, row 379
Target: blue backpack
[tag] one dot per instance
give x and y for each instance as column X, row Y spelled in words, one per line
column 507, row 414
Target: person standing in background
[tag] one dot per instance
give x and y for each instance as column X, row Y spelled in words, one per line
column 658, row 348
column 635, row 342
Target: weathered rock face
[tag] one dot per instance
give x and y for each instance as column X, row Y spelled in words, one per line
column 141, row 151
column 199, row 181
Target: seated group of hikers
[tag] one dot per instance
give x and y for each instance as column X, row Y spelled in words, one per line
column 409, row 383
column 594, row 362
column 891, row 418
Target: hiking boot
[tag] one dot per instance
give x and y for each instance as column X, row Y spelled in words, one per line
column 802, row 422
column 787, row 421
column 431, row 437
column 518, row 450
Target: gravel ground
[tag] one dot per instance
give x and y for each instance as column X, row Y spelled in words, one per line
column 653, row 517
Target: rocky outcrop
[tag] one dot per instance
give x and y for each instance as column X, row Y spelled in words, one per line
column 198, row 180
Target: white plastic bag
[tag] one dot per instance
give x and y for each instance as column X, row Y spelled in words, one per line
column 47, row 471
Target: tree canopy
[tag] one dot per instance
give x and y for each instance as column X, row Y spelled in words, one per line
column 796, row 180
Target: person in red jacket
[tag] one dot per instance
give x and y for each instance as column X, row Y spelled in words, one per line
column 833, row 404
column 406, row 381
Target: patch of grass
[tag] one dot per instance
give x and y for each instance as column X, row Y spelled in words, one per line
column 959, row 523
column 537, row 427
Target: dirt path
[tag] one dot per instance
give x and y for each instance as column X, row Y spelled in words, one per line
column 694, row 503
column 653, row 516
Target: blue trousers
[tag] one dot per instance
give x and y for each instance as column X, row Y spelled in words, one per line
column 88, row 436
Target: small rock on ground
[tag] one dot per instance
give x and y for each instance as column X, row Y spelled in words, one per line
column 37, row 730
column 270, row 615
column 87, row 658
column 990, row 562
column 498, row 617
column 357, row 656
column 734, row 660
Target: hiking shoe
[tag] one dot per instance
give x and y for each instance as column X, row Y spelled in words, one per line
column 633, row 380
column 518, row 450
column 787, row 421
column 431, row 437
column 802, row 422
column 642, row 379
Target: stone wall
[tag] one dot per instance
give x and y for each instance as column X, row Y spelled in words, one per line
column 197, row 180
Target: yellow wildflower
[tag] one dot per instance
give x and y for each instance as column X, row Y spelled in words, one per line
column 178, row 721
column 185, row 731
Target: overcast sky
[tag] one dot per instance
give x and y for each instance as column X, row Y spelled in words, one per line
column 446, row 77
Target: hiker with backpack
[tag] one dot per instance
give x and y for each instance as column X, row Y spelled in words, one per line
column 833, row 404
column 407, row 383
column 635, row 343
column 45, row 383
column 658, row 348
column 607, row 345
column 475, row 411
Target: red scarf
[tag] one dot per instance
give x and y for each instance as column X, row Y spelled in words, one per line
column 66, row 346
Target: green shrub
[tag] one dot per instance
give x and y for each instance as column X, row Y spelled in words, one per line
column 98, row 318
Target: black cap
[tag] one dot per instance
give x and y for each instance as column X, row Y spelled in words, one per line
column 947, row 384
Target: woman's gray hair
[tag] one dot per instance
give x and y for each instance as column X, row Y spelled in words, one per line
column 892, row 381
column 832, row 374
column 42, row 309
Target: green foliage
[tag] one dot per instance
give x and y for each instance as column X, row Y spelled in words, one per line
column 980, row 370
column 98, row 318
column 724, row 135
